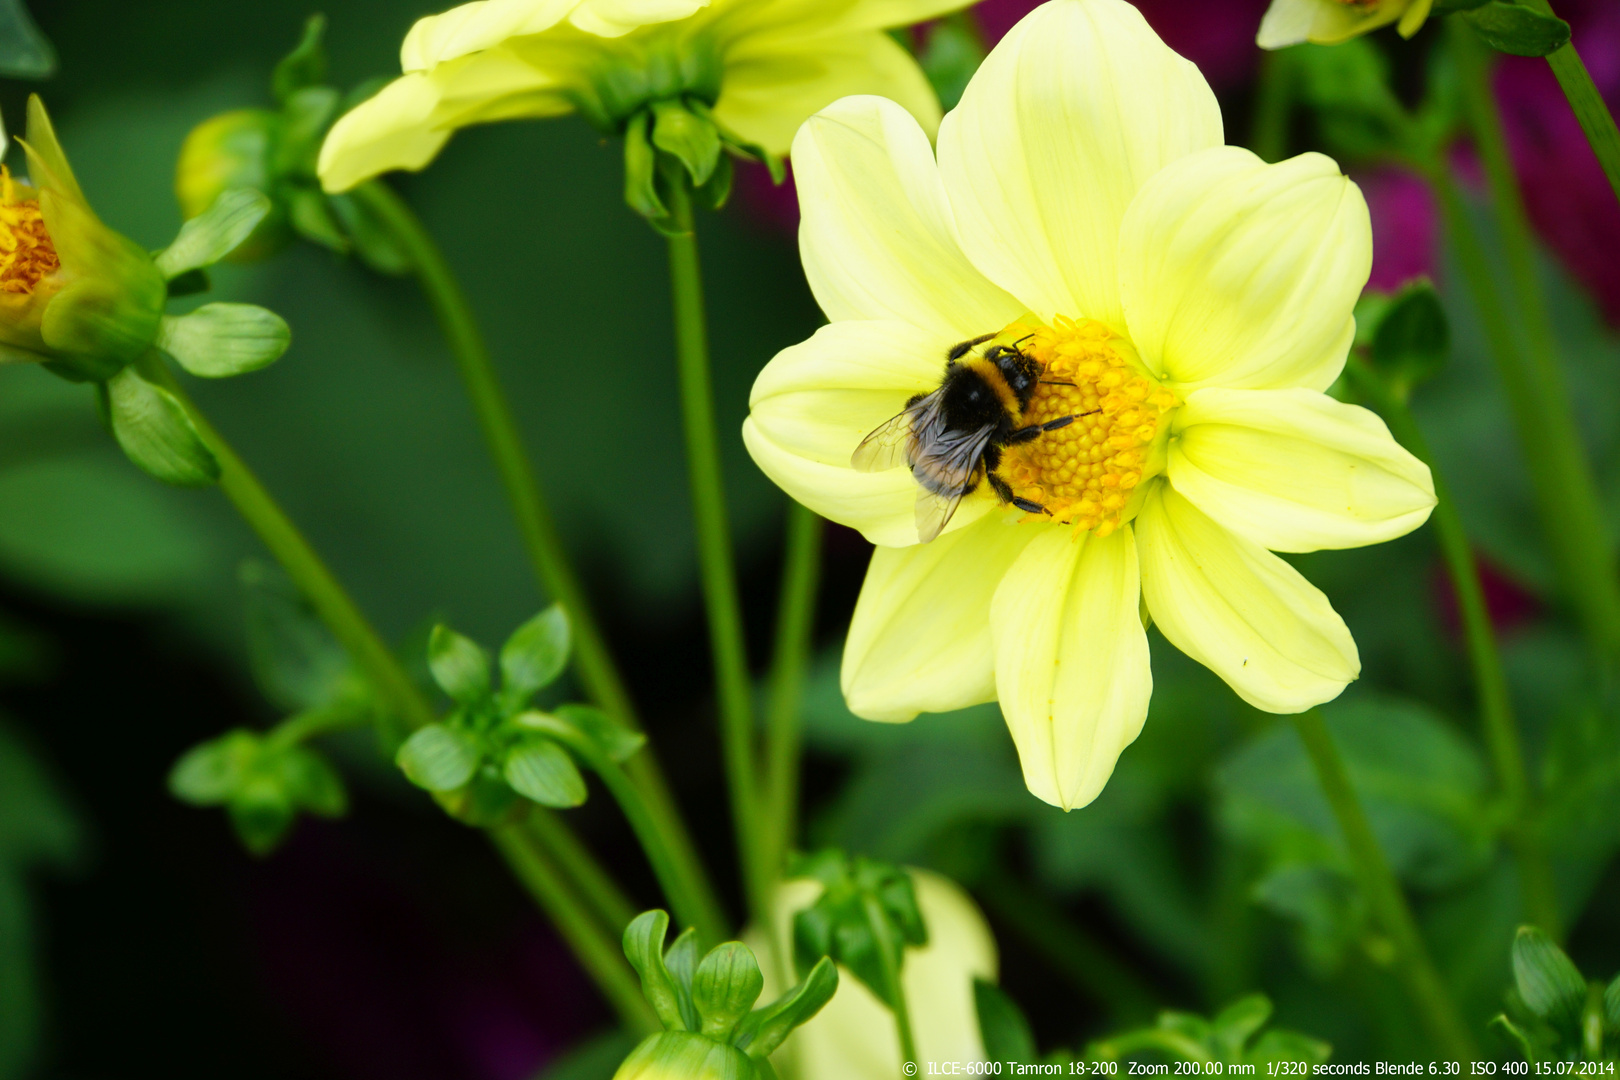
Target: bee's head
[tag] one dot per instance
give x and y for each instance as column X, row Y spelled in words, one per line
column 1021, row 370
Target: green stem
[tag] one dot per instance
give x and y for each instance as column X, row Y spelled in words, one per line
column 795, row 622
column 1068, row 950
column 690, row 904
column 1273, row 105
column 1490, row 681
column 562, row 847
column 714, row 543
column 892, row 967
column 1383, row 893
column 313, row 723
column 1566, row 495
column 1587, row 104
column 597, row 950
column 331, row 602
column 592, row 659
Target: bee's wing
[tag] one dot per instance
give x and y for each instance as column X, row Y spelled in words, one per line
column 947, row 473
column 889, row 444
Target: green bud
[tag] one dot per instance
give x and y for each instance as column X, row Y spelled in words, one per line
column 234, row 150
column 704, row 1005
column 262, row 784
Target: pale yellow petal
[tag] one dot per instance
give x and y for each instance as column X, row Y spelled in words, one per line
column 1238, row 273
column 815, row 401
column 876, row 235
column 1295, row 470
column 407, row 123
column 473, row 27
column 1239, row 610
column 775, row 82
column 853, row 1037
column 1072, row 670
column 920, row 639
column 615, row 18
column 1288, row 22
column 1065, row 120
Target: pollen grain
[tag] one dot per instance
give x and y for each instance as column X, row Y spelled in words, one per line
column 1083, row 474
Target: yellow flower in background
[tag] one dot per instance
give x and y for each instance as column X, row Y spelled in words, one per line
column 761, row 66
column 1328, row 22
column 853, row 1037
column 1186, row 301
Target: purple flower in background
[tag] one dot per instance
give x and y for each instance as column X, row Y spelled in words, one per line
column 1404, row 225
column 1568, row 197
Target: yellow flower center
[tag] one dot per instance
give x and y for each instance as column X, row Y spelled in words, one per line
column 26, row 252
column 1084, row 473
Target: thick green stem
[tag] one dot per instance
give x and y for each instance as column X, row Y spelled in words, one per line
column 1273, row 105
column 1383, row 894
column 691, row 905
column 795, row 622
column 592, row 659
column 1490, row 681
column 893, row 966
column 1587, row 104
column 714, row 544
column 333, row 604
column 597, row 949
column 1566, row 494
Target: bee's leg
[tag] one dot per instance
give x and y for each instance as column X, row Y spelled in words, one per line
column 1005, row 492
column 1025, row 434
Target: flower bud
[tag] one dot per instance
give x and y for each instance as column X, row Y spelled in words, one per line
column 77, row 295
column 234, row 150
column 684, row 1055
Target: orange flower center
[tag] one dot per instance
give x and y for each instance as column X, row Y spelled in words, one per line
column 26, row 252
column 1083, row 474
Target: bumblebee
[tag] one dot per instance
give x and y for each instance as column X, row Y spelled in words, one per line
column 952, row 437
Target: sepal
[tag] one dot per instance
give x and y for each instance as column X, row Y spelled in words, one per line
column 688, row 136
column 439, row 758
column 459, row 666
column 534, row 656
column 215, row 233
column 261, row 784
column 156, row 432
column 541, row 771
column 1518, row 30
column 1548, row 981
column 641, row 170
column 305, row 66
column 217, row 341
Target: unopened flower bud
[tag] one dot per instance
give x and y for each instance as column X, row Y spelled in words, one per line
column 234, row 150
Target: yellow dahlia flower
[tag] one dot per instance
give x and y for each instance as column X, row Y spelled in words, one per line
column 762, row 66
column 1328, row 22
column 1187, row 301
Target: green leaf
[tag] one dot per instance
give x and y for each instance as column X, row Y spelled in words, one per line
column 220, row 340
column 438, row 758
column 766, row 1029
column 311, row 782
column 725, row 987
column 1003, row 1027
column 156, row 432
column 612, row 738
column 1548, row 981
column 644, row 948
column 261, row 811
column 1611, row 1004
column 1234, row 1025
column 1412, row 339
column 305, row 65
column 533, row 657
column 692, row 139
column 209, row 773
column 460, row 666
column 541, row 770
column 1518, row 30
column 641, row 170
column 25, row 53
column 215, row 233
